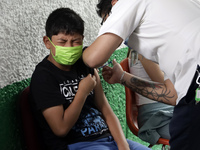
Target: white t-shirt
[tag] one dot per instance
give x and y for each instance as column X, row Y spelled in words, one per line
column 138, row 70
column 165, row 31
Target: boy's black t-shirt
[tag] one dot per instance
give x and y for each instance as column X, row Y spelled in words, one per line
column 50, row 87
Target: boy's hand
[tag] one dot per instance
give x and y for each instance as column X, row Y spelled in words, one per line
column 87, row 84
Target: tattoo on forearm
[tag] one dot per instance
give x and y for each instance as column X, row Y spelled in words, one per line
column 152, row 90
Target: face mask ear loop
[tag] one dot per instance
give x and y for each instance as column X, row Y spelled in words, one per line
column 53, row 45
column 51, row 42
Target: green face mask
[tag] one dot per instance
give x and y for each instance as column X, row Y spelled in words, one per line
column 66, row 55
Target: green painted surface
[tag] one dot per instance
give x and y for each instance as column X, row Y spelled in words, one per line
column 10, row 137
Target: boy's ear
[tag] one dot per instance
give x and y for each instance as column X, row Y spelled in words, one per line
column 113, row 2
column 46, row 42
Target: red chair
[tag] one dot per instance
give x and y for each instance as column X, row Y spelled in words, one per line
column 132, row 110
column 31, row 134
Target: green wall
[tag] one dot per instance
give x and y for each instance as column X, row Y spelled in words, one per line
column 10, row 137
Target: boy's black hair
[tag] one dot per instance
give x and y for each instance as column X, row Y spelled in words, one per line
column 64, row 20
column 104, row 7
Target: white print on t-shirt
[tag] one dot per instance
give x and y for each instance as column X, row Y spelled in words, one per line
column 70, row 87
column 69, row 90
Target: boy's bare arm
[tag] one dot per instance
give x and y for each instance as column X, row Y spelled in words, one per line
column 109, row 116
column 61, row 121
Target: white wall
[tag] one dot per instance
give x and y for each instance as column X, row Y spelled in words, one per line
column 22, row 25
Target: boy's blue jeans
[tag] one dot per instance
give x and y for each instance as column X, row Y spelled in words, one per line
column 107, row 143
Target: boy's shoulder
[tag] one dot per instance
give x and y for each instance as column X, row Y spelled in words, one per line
column 80, row 65
column 43, row 65
column 44, row 70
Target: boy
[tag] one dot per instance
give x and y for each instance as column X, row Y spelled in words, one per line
column 67, row 97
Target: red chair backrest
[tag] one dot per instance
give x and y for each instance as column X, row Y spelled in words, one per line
column 30, row 129
column 131, row 107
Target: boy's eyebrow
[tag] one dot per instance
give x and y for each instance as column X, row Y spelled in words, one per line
column 77, row 39
column 61, row 39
